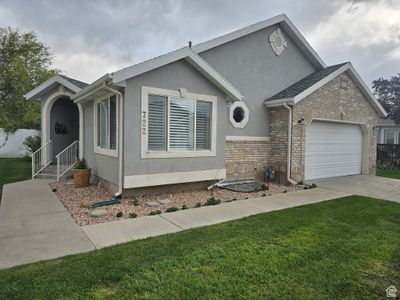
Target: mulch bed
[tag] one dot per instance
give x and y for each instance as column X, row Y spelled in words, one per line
column 78, row 200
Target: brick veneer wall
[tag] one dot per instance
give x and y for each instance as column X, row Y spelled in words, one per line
column 333, row 102
column 330, row 102
column 279, row 137
column 246, row 158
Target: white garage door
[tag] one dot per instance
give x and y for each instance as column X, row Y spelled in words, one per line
column 332, row 149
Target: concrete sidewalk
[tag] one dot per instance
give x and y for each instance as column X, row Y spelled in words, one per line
column 34, row 225
column 116, row 232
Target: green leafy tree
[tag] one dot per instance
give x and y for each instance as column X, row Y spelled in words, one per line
column 24, row 64
column 387, row 91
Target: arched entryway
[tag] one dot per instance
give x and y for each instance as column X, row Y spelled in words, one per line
column 49, row 122
column 64, row 124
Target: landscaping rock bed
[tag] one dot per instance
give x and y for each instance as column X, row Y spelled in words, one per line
column 78, row 201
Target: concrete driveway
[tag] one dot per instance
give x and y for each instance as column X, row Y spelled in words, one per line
column 34, row 225
column 365, row 185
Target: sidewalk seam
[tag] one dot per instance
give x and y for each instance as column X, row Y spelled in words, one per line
column 171, row 222
column 94, row 246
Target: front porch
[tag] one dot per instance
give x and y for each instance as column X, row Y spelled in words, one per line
column 61, row 127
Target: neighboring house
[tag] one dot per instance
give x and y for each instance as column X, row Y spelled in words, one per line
column 12, row 142
column 389, row 132
column 259, row 96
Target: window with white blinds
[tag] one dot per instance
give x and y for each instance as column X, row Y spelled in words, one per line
column 203, row 125
column 181, row 124
column 106, row 115
column 157, row 123
column 178, row 124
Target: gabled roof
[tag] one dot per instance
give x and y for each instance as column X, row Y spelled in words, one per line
column 191, row 55
column 305, row 83
column 170, row 57
column 72, row 84
column 281, row 20
column 304, row 87
column 184, row 53
column 78, row 83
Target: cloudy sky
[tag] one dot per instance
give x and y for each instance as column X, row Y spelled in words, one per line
column 90, row 38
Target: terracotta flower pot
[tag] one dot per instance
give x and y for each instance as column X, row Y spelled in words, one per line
column 81, row 177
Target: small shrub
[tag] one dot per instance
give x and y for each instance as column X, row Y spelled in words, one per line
column 32, row 143
column 313, row 186
column 285, row 191
column 212, row 201
column 171, row 209
column 389, row 165
column 184, row 207
column 263, row 195
column 119, row 214
column 155, row 212
column 262, row 187
column 135, row 202
column 198, row 204
column 80, row 164
column 132, row 215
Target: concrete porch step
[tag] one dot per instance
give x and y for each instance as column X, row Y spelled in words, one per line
column 50, row 172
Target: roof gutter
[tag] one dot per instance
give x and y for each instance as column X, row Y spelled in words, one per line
column 92, row 88
column 278, row 102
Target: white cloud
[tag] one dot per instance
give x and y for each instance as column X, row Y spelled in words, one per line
column 84, row 61
column 359, row 24
column 90, row 38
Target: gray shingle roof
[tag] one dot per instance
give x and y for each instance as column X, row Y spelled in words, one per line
column 305, row 83
column 78, row 83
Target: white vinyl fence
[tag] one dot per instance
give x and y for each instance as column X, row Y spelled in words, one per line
column 12, row 143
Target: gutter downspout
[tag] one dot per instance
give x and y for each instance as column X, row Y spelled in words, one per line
column 289, row 155
column 121, row 140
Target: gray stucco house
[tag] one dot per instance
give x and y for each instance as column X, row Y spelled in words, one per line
column 389, row 132
column 220, row 109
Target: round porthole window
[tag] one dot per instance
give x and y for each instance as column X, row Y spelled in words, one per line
column 239, row 114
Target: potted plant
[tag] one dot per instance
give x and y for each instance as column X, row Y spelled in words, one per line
column 81, row 173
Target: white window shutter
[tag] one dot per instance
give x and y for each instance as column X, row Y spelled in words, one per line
column 203, row 125
column 104, row 124
column 157, row 136
column 113, row 123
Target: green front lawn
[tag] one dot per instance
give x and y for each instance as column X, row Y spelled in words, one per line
column 14, row 169
column 346, row 248
column 388, row 173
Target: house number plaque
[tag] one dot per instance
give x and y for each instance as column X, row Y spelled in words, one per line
column 144, row 123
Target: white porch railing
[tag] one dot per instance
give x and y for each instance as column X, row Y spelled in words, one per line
column 67, row 158
column 41, row 158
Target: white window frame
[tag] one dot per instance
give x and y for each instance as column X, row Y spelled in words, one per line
column 232, row 108
column 182, row 93
column 97, row 149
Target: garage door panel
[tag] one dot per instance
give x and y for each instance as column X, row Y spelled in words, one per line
column 319, row 159
column 329, row 171
column 332, row 149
